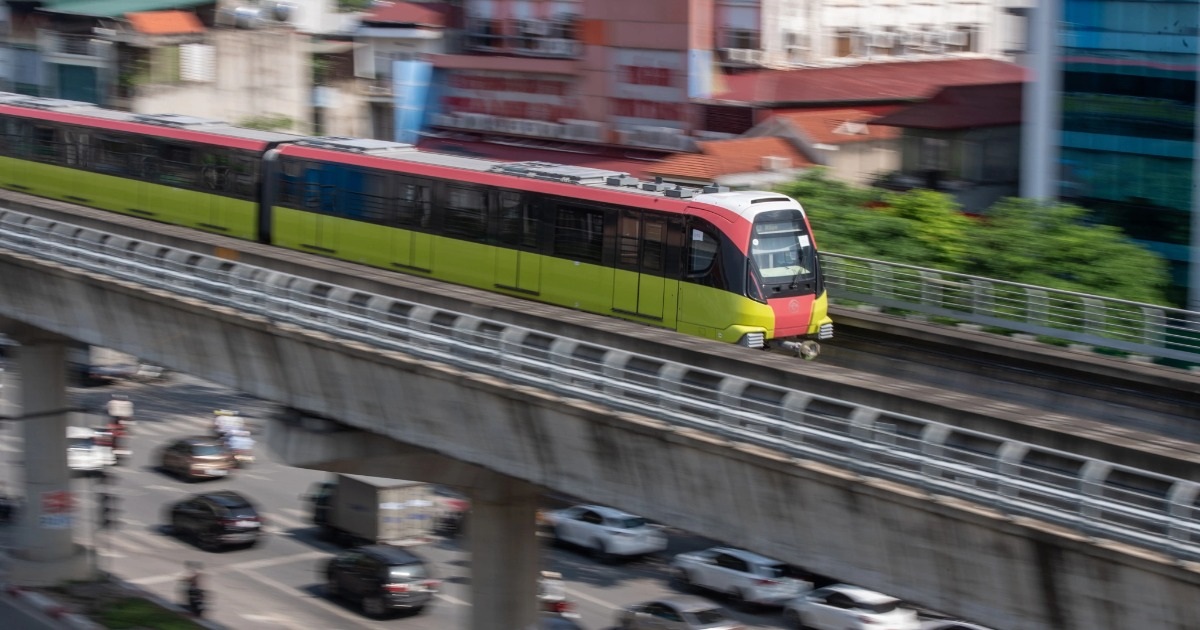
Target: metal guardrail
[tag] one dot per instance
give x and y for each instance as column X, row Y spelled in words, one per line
column 1093, row 497
column 1145, row 329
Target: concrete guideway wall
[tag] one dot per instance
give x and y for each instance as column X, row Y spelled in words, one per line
column 1078, row 435
column 955, row 557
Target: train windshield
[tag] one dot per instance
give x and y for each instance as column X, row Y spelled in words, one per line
column 782, row 251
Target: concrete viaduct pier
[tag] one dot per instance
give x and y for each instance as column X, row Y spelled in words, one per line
column 396, row 413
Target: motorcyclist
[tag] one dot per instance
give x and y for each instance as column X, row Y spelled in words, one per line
column 193, row 592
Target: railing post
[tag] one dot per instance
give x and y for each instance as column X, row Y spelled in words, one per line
column 1181, row 507
column 931, row 288
column 1154, row 324
column 982, row 299
column 882, row 283
column 1091, row 493
column 1093, row 316
column 1037, row 306
column 933, row 439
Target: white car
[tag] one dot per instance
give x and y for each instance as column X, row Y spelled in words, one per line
column 750, row 579
column 950, row 624
column 607, row 532
column 845, row 607
column 83, row 454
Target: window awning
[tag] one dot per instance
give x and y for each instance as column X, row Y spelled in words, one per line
column 116, row 8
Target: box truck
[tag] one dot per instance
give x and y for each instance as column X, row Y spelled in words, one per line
column 356, row 509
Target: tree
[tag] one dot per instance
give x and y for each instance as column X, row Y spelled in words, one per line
column 1017, row 240
column 1051, row 245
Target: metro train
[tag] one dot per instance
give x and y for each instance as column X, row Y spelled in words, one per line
column 739, row 267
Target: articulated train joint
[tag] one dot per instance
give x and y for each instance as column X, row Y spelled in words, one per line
column 807, row 350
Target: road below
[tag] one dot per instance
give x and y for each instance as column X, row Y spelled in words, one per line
column 278, row 584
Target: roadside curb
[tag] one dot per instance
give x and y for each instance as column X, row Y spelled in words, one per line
column 55, row 611
column 161, row 601
column 48, row 607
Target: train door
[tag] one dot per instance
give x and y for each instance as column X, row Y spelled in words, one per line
column 214, row 179
column 518, row 265
column 328, row 223
column 639, row 285
column 412, row 244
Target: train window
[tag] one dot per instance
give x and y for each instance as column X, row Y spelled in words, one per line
column 579, row 233
column 290, row 184
column 466, row 213
column 654, row 244
column 77, row 147
column 114, row 155
column 629, row 238
column 702, row 252
column 517, row 221
column 365, row 196
column 176, row 165
column 412, row 204
column 214, row 169
column 46, row 147
column 244, row 176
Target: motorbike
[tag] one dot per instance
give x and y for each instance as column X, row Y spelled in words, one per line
column 552, row 596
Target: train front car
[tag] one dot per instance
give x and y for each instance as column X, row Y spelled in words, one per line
column 783, row 272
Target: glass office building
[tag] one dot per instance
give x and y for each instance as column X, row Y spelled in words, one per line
column 1127, row 124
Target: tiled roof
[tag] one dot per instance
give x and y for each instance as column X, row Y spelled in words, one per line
column 841, row 125
column 409, row 13
column 727, row 157
column 873, row 82
column 165, row 22
column 963, row 107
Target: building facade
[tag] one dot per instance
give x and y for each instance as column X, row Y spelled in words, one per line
column 1123, row 122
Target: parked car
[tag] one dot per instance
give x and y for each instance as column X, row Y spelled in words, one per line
column 382, row 579
column 607, row 532
column 845, row 607
column 85, row 453
column 214, row 520
column 197, row 457
column 675, row 613
column 950, row 624
column 750, row 579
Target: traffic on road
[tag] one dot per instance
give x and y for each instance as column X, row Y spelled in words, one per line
column 275, row 555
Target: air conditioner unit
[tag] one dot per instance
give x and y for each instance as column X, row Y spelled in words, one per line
column 756, row 56
column 913, row 38
column 378, row 90
column 955, row 38
column 881, row 40
column 741, row 55
column 797, row 54
column 536, row 28
column 559, row 46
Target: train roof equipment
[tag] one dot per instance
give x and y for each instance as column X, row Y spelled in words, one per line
column 544, row 171
column 166, row 121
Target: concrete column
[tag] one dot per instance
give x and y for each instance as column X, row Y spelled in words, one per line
column 45, row 551
column 43, row 370
column 502, row 538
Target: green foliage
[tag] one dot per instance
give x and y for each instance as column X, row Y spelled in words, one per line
column 1018, row 240
column 139, row 613
column 267, row 122
column 349, row 6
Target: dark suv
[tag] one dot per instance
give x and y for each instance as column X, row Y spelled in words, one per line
column 382, row 579
column 216, row 519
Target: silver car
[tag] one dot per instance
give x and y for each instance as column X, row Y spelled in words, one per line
column 676, row 613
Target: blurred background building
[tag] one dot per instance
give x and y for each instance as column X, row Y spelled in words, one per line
column 744, row 92
column 1122, row 123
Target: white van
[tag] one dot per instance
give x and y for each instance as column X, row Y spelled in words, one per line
column 83, row 454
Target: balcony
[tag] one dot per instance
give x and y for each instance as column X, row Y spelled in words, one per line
column 64, row 47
